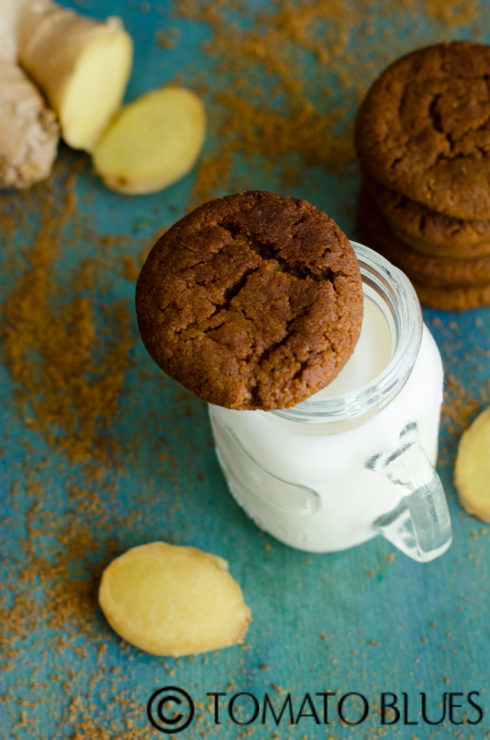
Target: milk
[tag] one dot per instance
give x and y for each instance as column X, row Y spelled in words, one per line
column 324, row 475
column 372, row 353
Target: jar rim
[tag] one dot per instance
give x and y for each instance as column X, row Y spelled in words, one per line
column 401, row 307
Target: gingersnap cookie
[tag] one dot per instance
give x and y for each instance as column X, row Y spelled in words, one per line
column 251, row 301
column 433, row 271
column 424, row 128
column 453, row 298
column 448, row 297
column 429, row 232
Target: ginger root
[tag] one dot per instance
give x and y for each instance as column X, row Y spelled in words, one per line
column 171, row 600
column 82, row 65
column 152, row 142
column 29, row 132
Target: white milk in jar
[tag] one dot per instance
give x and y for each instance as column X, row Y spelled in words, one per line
column 356, row 459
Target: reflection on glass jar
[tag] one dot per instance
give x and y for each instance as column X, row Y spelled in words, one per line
column 356, row 459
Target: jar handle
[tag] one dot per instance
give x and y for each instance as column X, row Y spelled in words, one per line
column 420, row 525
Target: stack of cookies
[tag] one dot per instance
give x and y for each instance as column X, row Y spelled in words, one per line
column 423, row 140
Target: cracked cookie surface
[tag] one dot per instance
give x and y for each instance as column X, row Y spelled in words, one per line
column 251, row 301
column 424, row 128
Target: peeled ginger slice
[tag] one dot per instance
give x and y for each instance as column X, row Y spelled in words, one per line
column 472, row 470
column 82, row 65
column 171, row 600
column 152, row 142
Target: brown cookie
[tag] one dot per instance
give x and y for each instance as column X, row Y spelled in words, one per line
column 435, row 271
column 424, row 128
column 455, row 298
column 429, row 232
column 251, row 301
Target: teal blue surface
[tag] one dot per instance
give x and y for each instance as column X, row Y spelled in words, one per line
column 367, row 620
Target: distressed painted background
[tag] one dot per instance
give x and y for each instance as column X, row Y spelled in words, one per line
column 99, row 451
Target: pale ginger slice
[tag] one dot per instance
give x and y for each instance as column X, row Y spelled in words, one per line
column 29, row 132
column 170, row 600
column 472, row 470
column 82, row 65
column 153, row 142
column 9, row 11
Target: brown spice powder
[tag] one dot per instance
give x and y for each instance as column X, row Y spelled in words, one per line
column 68, row 380
column 264, row 100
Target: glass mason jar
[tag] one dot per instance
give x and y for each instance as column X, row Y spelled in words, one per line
column 356, row 459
